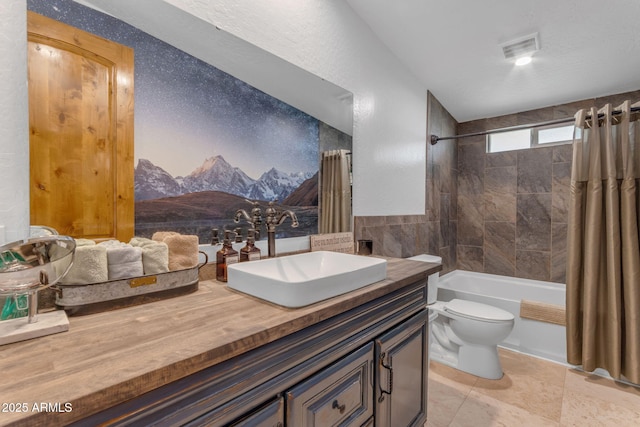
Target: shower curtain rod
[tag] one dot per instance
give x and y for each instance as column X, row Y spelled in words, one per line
column 435, row 138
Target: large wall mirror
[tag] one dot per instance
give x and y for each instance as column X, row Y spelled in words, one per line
column 214, row 115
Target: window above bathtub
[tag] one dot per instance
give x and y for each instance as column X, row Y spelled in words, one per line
column 529, row 138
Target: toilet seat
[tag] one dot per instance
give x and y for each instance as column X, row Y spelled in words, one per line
column 477, row 311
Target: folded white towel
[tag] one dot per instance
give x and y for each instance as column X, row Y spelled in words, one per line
column 155, row 258
column 113, row 244
column 90, row 265
column 141, row 241
column 124, row 261
column 84, row 242
column 155, row 255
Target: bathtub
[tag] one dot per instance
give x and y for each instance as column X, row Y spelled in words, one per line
column 541, row 339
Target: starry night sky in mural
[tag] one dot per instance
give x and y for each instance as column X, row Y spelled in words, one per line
column 187, row 110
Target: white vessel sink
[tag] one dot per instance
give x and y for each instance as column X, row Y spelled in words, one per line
column 299, row 280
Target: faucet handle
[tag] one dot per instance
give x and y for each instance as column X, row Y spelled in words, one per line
column 271, row 211
column 256, row 215
column 254, row 203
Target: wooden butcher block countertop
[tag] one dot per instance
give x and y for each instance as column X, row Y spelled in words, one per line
column 107, row 358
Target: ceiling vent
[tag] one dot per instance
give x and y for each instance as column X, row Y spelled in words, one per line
column 521, row 46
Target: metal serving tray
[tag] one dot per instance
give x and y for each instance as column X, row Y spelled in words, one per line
column 114, row 294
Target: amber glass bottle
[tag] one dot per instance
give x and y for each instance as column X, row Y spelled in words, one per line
column 224, row 257
column 249, row 252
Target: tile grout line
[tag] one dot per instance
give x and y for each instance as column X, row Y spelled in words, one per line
column 564, row 392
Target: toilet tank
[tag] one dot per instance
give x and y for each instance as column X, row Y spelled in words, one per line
column 432, row 281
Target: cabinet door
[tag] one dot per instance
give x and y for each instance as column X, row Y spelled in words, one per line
column 270, row 415
column 401, row 374
column 369, row 423
column 339, row 395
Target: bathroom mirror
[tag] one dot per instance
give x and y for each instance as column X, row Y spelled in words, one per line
column 243, row 60
column 276, row 77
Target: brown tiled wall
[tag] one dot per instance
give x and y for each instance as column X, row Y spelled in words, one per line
column 513, row 206
column 436, row 231
column 512, row 210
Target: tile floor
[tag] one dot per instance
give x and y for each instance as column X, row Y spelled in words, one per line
column 533, row 392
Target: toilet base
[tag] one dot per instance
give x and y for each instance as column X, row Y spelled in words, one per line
column 441, row 355
column 480, row 360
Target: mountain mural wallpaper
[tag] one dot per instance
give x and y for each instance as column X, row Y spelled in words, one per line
column 205, row 142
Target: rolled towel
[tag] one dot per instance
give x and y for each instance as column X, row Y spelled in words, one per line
column 90, row 265
column 84, row 242
column 183, row 251
column 141, row 241
column 112, row 244
column 159, row 236
column 155, row 255
column 123, row 261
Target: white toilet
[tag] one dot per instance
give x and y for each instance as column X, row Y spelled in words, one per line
column 465, row 334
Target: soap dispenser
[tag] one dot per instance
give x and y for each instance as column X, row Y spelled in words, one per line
column 225, row 256
column 215, row 240
column 249, row 252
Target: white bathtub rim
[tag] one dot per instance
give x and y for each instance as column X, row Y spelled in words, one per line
column 502, row 279
column 548, row 292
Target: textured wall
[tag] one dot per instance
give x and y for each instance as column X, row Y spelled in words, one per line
column 513, row 206
column 328, row 39
column 436, row 231
column 14, row 121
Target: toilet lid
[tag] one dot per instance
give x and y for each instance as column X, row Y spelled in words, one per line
column 477, row 310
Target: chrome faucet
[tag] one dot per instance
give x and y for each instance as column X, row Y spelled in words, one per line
column 273, row 218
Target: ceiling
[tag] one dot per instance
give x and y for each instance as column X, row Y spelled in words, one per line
column 589, row 48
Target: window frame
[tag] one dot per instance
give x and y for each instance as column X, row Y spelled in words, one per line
column 533, row 137
column 535, row 131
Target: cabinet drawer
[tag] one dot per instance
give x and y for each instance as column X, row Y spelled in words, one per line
column 339, row 395
column 270, row 415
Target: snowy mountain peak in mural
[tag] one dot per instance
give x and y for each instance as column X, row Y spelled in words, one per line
column 277, row 185
column 153, row 182
column 216, row 174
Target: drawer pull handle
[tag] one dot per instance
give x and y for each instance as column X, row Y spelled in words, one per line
column 337, row 406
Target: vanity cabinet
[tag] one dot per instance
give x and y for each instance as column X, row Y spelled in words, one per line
column 401, row 374
column 364, row 367
column 270, row 415
column 339, row 395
